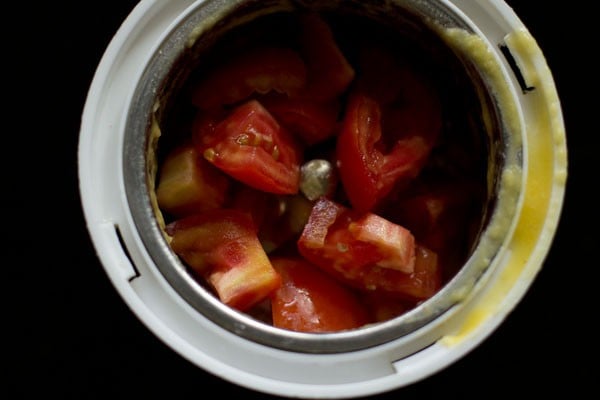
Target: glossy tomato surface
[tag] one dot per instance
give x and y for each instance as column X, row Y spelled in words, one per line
column 309, row 300
column 252, row 147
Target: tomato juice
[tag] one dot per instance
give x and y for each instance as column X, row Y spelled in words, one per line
column 392, row 113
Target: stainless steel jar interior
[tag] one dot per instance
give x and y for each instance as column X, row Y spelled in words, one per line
column 165, row 73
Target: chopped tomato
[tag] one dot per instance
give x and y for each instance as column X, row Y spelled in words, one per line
column 258, row 70
column 312, row 121
column 277, row 236
column 222, row 247
column 355, row 241
column 188, row 184
column 323, row 215
column 367, row 172
column 329, row 72
column 394, row 243
column 368, row 252
column 251, row 146
column 309, row 300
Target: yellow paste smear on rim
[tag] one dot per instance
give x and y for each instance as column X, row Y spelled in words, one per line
column 546, row 174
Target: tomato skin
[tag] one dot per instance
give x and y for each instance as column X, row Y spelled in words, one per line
column 258, row 70
column 334, row 239
column 367, row 173
column 309, row 300
column 188, row 184
column 221, row 246
column 358, row 161
column 251, row 146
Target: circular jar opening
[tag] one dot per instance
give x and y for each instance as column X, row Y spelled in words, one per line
column 447, row 204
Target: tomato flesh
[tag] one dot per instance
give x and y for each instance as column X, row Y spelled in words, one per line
column 222, row 247
column 368, row 252
column 251, row 146
column 309, row 300
column 394, row 243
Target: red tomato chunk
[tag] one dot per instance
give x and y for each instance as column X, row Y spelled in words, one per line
column 399, row 220
column 309, row 300
column 251, row 146
column 368, row 252
column 221, row 246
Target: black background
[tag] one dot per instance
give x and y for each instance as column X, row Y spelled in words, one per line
column 71, row 336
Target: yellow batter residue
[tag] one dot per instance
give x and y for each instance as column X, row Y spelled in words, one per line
column 544, row 173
